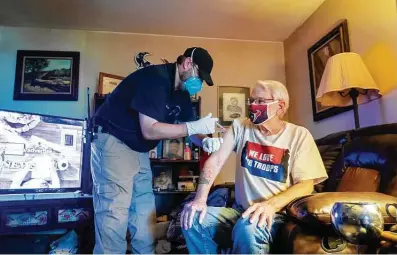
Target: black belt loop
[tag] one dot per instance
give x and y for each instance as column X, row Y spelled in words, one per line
column 95, row 124
column 104, row 130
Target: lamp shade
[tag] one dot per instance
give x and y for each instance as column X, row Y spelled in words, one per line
column 343, row 72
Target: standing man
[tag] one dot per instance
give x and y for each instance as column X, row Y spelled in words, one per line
column 149, row 105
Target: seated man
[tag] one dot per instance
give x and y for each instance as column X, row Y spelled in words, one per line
column 276, row 162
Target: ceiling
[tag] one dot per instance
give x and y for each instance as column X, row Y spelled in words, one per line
column 262, row 20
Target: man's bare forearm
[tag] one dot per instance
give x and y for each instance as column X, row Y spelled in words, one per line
column 207, row 177
column 298, row 190
column 159, row 131
column 154, row 130
column 213, row 166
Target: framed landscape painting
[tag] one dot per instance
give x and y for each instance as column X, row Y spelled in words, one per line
column 334, row 42
column 47, row 75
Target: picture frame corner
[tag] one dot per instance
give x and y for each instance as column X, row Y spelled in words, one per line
column 102, row 75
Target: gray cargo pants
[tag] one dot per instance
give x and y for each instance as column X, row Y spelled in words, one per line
column 122, row 197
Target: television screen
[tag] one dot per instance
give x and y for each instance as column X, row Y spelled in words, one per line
column 39, row 152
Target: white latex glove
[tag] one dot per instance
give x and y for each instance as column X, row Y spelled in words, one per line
column 202, row 126
column 211, row 145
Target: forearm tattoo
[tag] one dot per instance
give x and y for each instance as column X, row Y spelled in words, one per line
column 205, row 177
column 202, row 180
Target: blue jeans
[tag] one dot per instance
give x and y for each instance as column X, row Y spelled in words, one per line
column 122, row 196
column 224, row 230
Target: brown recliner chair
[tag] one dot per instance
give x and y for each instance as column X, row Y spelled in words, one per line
column 362, row 167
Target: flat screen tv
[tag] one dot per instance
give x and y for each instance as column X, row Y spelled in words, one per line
column 41, row 153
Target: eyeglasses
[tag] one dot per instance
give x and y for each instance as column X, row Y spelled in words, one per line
column 251, row 100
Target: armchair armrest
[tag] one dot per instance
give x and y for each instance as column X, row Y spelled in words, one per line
column 315, row 209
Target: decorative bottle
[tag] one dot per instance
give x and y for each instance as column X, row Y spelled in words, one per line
column 187, row 152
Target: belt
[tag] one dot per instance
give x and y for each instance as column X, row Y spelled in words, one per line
column 102, row 129
column 99, row 126
column 96, row 129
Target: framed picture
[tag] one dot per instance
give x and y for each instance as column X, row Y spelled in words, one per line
column 173, row 149
column 232, row 103
column 196, row 108
column 162, row 178
column 108, row 82
column 156, row 152
column 153, row 153
column 47, row 75
column 334, row 42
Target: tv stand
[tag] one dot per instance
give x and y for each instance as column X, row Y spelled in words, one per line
column 21, row 213
column 35, row 196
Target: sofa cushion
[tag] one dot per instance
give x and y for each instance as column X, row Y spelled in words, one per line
column 374, row 152
column 359, row 179
column 392, row 187
column 330, row 154
column 335, row 138
column 315, row 209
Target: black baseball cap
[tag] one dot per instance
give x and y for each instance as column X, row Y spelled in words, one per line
column 203, row 60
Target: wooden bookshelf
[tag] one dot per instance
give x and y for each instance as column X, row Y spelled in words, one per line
column 175, row 192
column 174, row 161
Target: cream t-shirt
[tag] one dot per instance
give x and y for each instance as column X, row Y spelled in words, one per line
column 269, row 165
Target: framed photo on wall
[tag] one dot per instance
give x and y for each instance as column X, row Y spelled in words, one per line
column 47, row 75
column 232, row 103
column 334, row 42
column 108, row 82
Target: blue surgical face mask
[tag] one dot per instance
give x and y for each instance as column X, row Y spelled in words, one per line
column 193, row 84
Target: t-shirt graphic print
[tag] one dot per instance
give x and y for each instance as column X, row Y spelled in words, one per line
column 267, row 165
column 265, row 161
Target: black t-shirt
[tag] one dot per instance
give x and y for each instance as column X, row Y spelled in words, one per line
column 149, row 91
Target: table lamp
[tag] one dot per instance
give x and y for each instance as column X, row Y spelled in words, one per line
column 347, row 81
